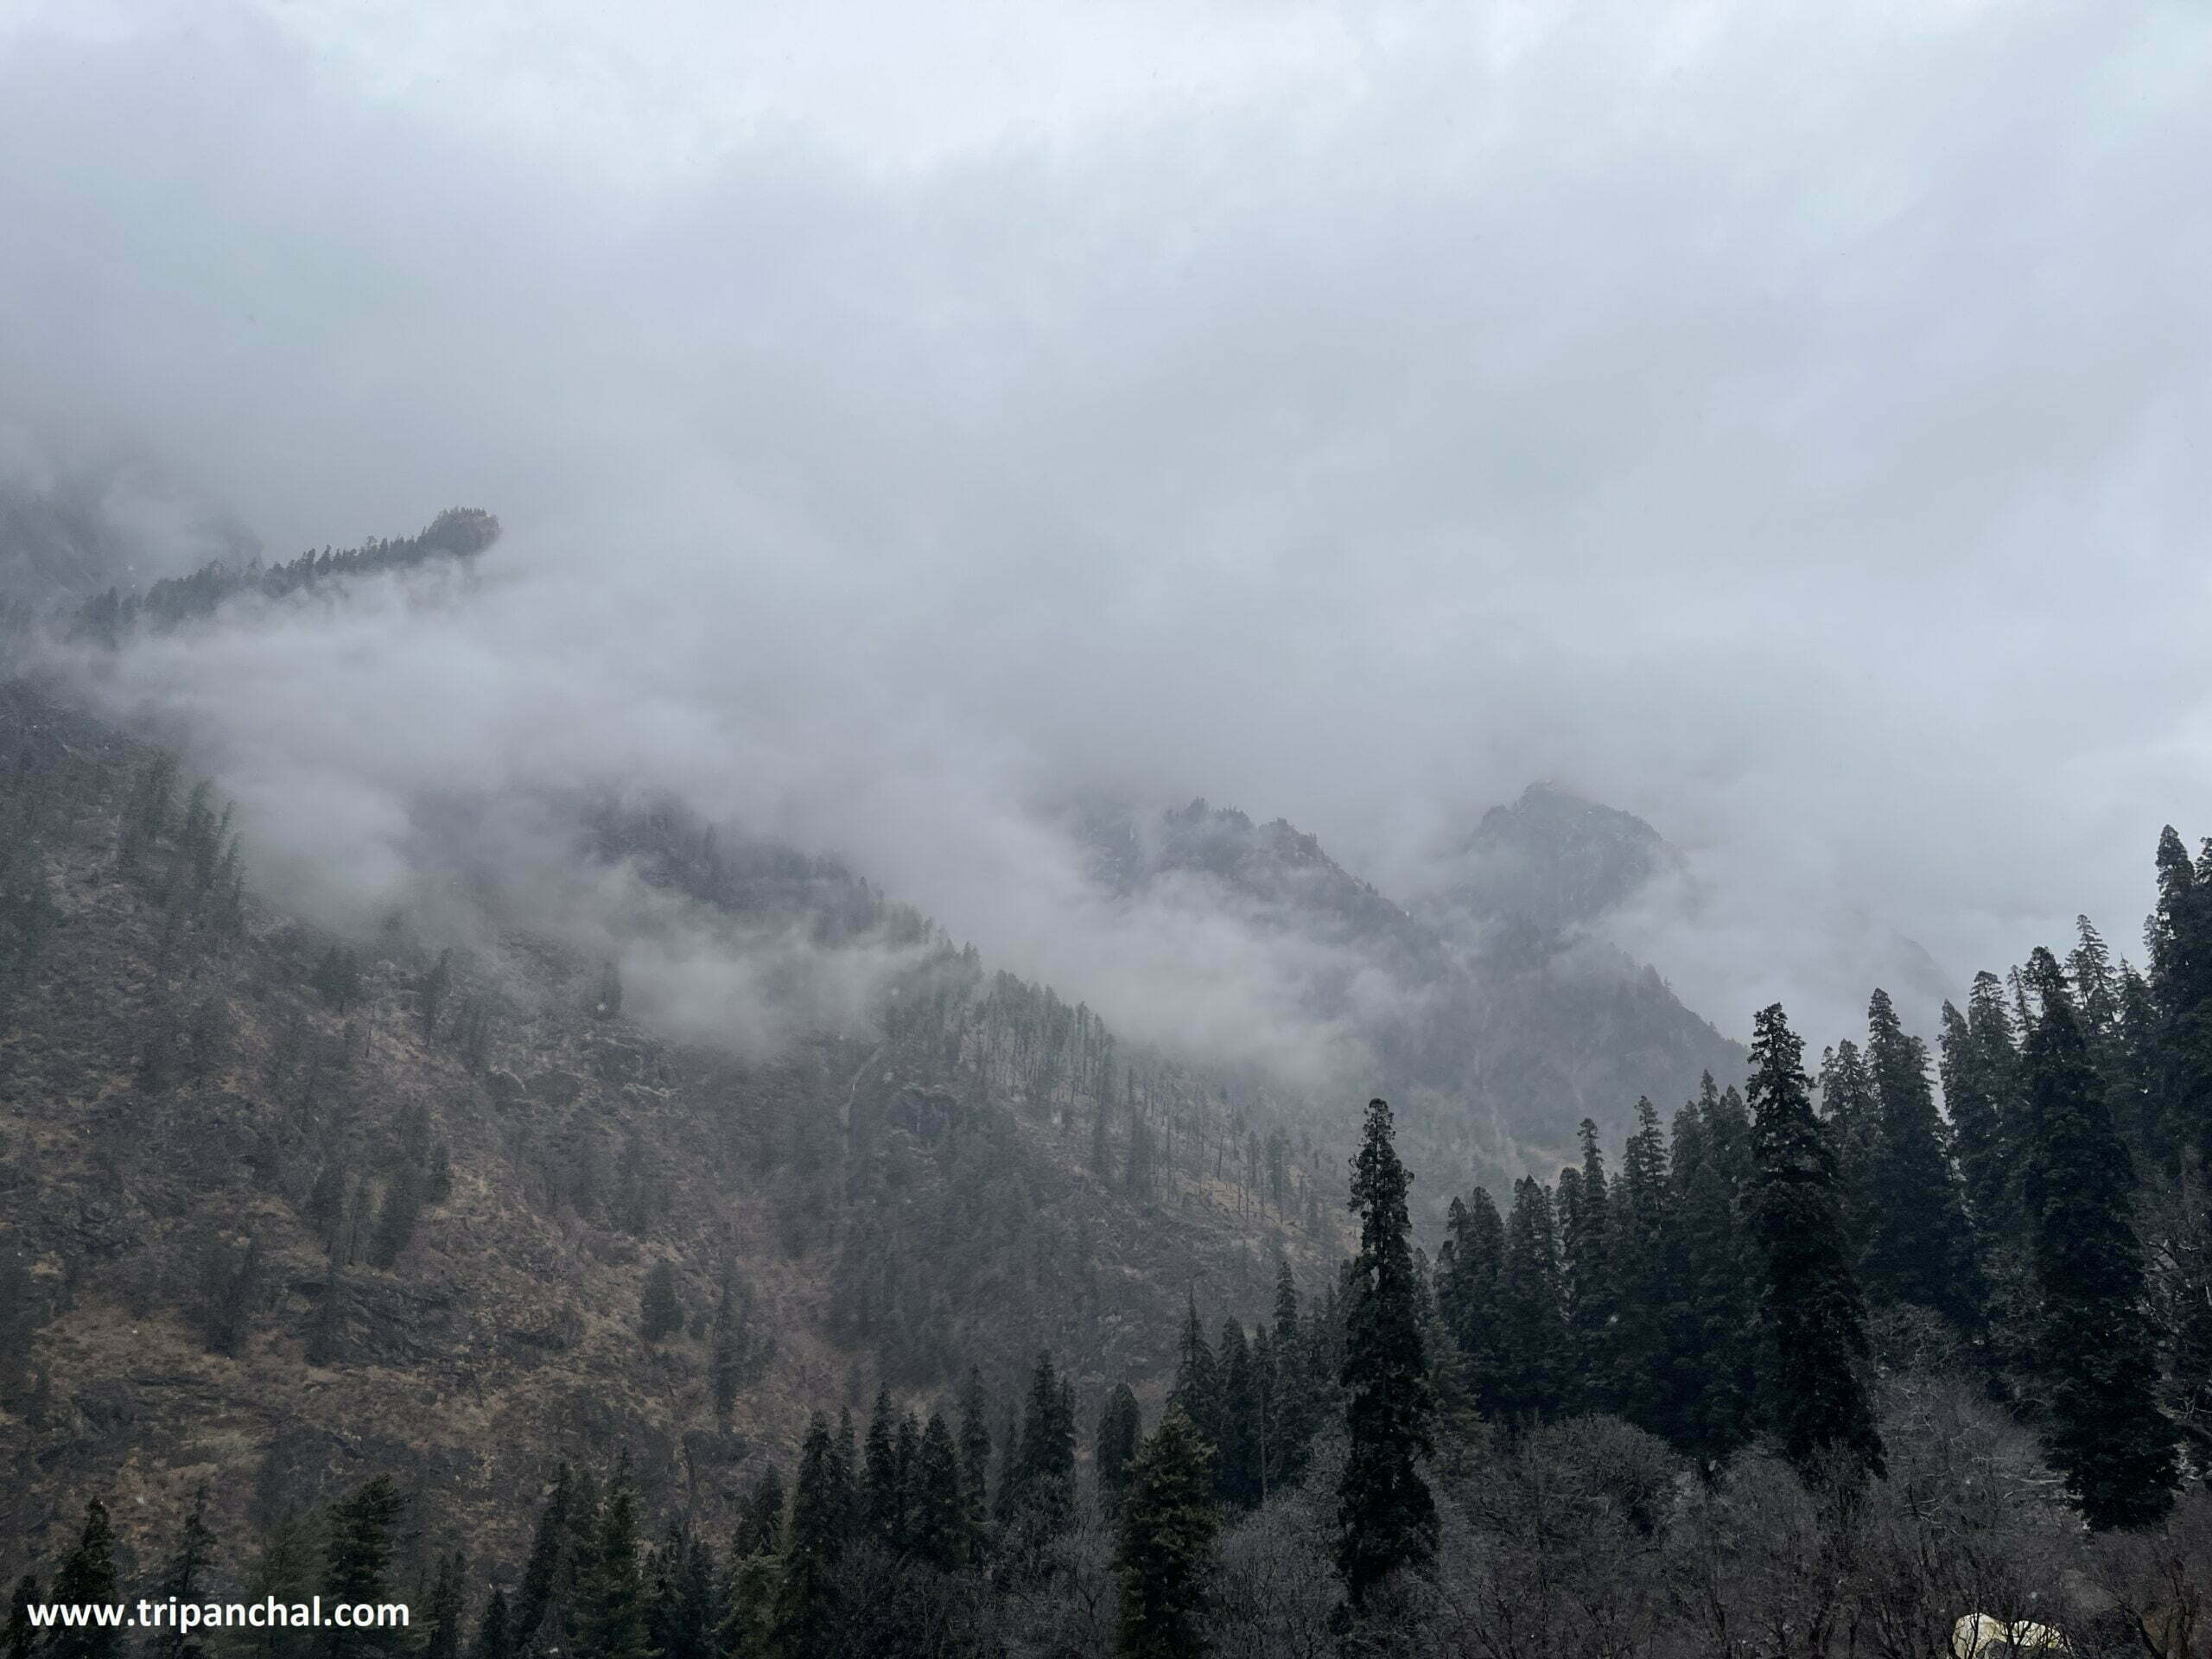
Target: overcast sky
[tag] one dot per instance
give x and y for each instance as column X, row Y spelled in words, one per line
column 1786, row 422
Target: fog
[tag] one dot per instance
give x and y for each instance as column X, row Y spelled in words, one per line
column 1784, row 422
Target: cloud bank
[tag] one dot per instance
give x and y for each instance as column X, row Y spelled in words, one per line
column 1783, row 423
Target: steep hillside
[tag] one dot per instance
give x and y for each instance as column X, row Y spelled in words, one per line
column 279, row 1210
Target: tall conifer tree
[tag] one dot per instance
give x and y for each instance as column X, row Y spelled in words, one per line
column 975, row 1459
column 2097, row 1350
column 1851, row 1112
column 1713, row 1352
column 1467, row 1269
column 1196, row 1387
column 1120, row 1429
column 1167, row 1542
column 182, row 1579
column 20, row 1638
column 2180, row 939
column 1532, row 1327
column 1237, row 1464
column 1386, row 1519
column 1645, row 1285
column 542, row 1573
column 882, row 1500
column 611, row 1595
column 1813, row 1313
column 356, row 1559
column 1593, row 1304
column 1293, row 1409
column 492, row 1640
column 804, row 1618
column 1922, row 1249
column 937, row 1519
column 87, row 1578
column 1976, row 1099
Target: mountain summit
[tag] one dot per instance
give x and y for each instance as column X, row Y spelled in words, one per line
column 1495, row 1005
column 1555, row 860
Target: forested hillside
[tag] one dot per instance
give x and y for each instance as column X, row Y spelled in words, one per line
column 436, row 1261
column 279, row 1206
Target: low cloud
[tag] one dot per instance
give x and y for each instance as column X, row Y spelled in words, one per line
column 1779, row 423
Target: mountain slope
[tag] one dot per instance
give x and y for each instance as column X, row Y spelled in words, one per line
column 279, row 1210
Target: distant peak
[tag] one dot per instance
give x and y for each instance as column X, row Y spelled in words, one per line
column 1557, row 859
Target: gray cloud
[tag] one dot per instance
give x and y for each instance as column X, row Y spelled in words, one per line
column 1784, row 424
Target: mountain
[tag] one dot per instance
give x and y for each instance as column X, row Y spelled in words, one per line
column 277, row 1199
column 278, row 1207
column 1496, row 1013
column 1553, row 860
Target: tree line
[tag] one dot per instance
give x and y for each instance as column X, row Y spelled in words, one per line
column 112, row 616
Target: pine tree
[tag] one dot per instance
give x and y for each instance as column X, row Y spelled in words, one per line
column 2107, row 1435
column 1237, row 1474
column 442, row 1637
column 1386, row 1519
column 20, row 1637
column 285, row 1569
column 1852, row 1113
column 1045, row 1474
column 1295, row 1416
column 337, row 977
column 883, row 1499
column 358, row 1552
column 492, row 1639
column 1196, row 1387
column 760, row 1521
column 1985, row 1065
column 1813, row 1314
column 660, row 1315
column 1531, row 1378
column 1712, row 1352
column 2139, row 1068
column 579, row 1559
column 1467, row 1270
column 611, row 1595
column 1586, row 1237
column 1922, row 1250
column 975, row 1459
column 1976, row 1101
column 1114, row 1452
column 848, row 1470
column 181, row 1579
column 1167, row 1537
column 542, row 1571
column 1006, row 1496
column 1646, row 1288
column 681, row 1610
column 87, row 1578
column 2180, row 939
column 938, row 1514
column 806, row 1611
